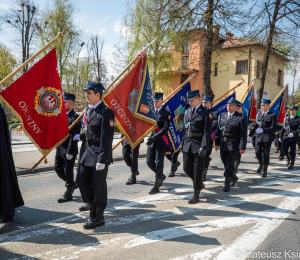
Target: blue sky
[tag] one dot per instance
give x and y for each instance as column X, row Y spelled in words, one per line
column 102, row 17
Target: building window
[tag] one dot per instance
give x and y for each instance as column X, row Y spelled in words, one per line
column 185, row 63
column 184, row 77
column 258, row 68
column 242, row 67
column 186, row 47
column 216, row 69
column 279, row 79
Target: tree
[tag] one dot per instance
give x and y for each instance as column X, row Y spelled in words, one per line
column 274, row 18
column 55, row 19
column 22, row 18
column 185, row 17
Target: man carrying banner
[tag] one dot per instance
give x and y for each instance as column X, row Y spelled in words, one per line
column 158, row 142
column 67, row 151
column 264, row 129
column 95, row 154
column 290, row 135
column 231, row 138
column 131, row 159
column 207, row 102
column 198, row 123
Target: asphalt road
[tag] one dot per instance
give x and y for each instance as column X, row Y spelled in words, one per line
column 257, row 219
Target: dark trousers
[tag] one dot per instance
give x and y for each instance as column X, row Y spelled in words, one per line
column 65, row 169
column 173, row 156
column 155, row 159
column 228, row 158
column 87, row 177
column 208, row 153
column 262, row 150
column 131, row 156
column 253, row 141
column 289, row 145
column 193, row 166
column 238, row 158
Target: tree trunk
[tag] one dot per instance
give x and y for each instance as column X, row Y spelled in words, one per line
column 265, row 62
column 208, row 49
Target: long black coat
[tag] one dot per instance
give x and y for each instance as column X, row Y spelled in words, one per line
column 235, row 132
column 269, row 123
column 294, row 124
column 101, row 125
column 70, row 146
column 199, row 123
column 163, row 122
column 10, row 195
column 215, row 116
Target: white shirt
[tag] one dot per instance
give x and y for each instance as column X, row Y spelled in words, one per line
column 292, row 117
column 94, row 106
column 157, row 110
column 69, row 112
column 197, row 107
column 230, row 115
column 264, row 113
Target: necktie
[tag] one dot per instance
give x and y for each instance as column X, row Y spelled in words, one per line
column 89, row 112
column 156, row 112
column 193, row 111
column 229, row 116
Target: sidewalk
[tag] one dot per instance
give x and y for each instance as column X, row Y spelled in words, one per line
column 26, row 155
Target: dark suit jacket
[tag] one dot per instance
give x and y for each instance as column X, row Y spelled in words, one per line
column 294, row 124
column 101, row 125
column 215, row 116
column 235, row 128
column 163, row 122
column 70, row 146
column 200, row 122
column 269, row 123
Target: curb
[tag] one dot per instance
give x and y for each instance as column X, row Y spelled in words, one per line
column 51, row 167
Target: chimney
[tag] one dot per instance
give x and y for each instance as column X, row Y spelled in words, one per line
column 229, row 35
column 217, row 30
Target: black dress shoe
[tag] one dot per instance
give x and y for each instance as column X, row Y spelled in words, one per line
column 132, row 179
column 84, row 207
column 288, row 161
column 67, row 196
column 171, row 174
column 227, row 184
column 264, row 172
column 195, row 198
column 157, row 185
column 234, row 179
column 291, row 167
column 259, row 169
column 96, row 221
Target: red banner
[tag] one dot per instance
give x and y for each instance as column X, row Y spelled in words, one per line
column 281, row 115
column 253, row 113
column 131, row 101
column 37, row 100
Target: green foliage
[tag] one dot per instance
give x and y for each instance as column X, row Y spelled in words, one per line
column 7, row 63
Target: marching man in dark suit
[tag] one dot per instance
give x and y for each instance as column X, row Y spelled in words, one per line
column 95, row 154
column 67, row 151
column 131, row 159
column 264, row 129
column 231, row 138
column 158, row 142
column 207, row 102
column 196, row 139
column 290, row 135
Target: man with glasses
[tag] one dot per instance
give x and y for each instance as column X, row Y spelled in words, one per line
column 290, row 135
column 264, row 130
column 158, row 142
column 198, row 123
column 231, row 138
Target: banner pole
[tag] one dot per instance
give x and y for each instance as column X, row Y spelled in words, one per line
column 228, row 91
column 128, row 66
column 278, row 95
column 59, row 35
column 248, row 89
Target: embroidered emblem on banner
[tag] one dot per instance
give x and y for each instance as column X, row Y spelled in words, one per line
column 179, row 117
column 144, row 109
column 48, row 101
column 132, row 100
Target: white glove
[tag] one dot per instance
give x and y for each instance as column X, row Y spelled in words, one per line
column 280, row 140
column 69, row 156
column 100, row 166
column 76, row 137
column 259, row 130
column 291, row 135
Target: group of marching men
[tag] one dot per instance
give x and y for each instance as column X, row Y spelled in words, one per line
column 201, row 120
